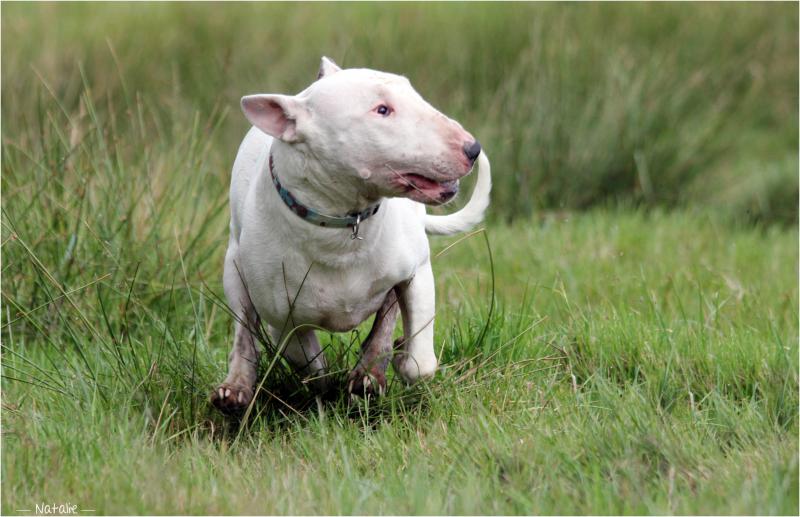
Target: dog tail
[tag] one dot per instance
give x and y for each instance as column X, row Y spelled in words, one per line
column 472, row 213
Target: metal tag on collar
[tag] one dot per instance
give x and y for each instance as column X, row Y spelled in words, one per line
column 354, row 235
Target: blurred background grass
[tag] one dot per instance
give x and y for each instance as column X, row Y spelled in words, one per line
column 577, row 104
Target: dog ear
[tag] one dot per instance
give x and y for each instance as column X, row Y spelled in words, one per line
column 276, row 115
column 327, row 67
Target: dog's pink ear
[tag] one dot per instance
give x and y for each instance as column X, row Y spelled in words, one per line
column 327, row 67
column 276, row 115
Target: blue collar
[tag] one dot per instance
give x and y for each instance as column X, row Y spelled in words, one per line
column 351, row 220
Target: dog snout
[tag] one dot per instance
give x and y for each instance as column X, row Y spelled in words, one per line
column 472, row 150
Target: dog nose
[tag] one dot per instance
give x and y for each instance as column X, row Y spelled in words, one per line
column 472, row 150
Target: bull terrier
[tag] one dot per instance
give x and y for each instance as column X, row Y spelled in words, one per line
column 328, row 225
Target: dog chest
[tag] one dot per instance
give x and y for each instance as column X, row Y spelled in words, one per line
column 336, row 299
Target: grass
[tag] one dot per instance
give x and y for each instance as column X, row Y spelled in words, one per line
column 636, row 356
column 648, row 366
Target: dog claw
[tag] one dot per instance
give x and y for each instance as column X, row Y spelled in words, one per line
column 364, row 382
column 231, row 398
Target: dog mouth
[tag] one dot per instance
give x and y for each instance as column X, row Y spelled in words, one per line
column 428, row 190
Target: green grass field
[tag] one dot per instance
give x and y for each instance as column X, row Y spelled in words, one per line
column 621, row 338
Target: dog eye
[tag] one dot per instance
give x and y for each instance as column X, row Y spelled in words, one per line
column 383, row 110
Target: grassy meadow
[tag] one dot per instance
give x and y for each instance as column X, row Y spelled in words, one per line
column 621, row 338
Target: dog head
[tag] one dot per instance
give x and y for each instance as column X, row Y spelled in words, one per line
column 372, row 129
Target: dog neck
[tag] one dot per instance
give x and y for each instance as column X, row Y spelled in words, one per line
column 312, row 185
column 332, row 246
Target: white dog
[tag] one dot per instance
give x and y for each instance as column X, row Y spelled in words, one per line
column 327, row 226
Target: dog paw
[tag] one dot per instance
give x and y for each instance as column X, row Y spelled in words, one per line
column 231, row 398
column 365, row 382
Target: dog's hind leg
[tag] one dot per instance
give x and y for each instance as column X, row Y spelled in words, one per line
column 414, row 356
column 236, row 391
column 369, row 376
column 305, row 354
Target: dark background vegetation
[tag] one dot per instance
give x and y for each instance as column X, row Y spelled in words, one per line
column 577, row 104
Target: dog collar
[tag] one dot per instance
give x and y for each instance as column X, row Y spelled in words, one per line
column 351, row 220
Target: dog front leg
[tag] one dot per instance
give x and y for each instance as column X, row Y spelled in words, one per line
column 369, row 376
column 414, row 356
column 236, row 391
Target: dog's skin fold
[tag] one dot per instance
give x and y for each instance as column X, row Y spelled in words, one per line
column 354, row 138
